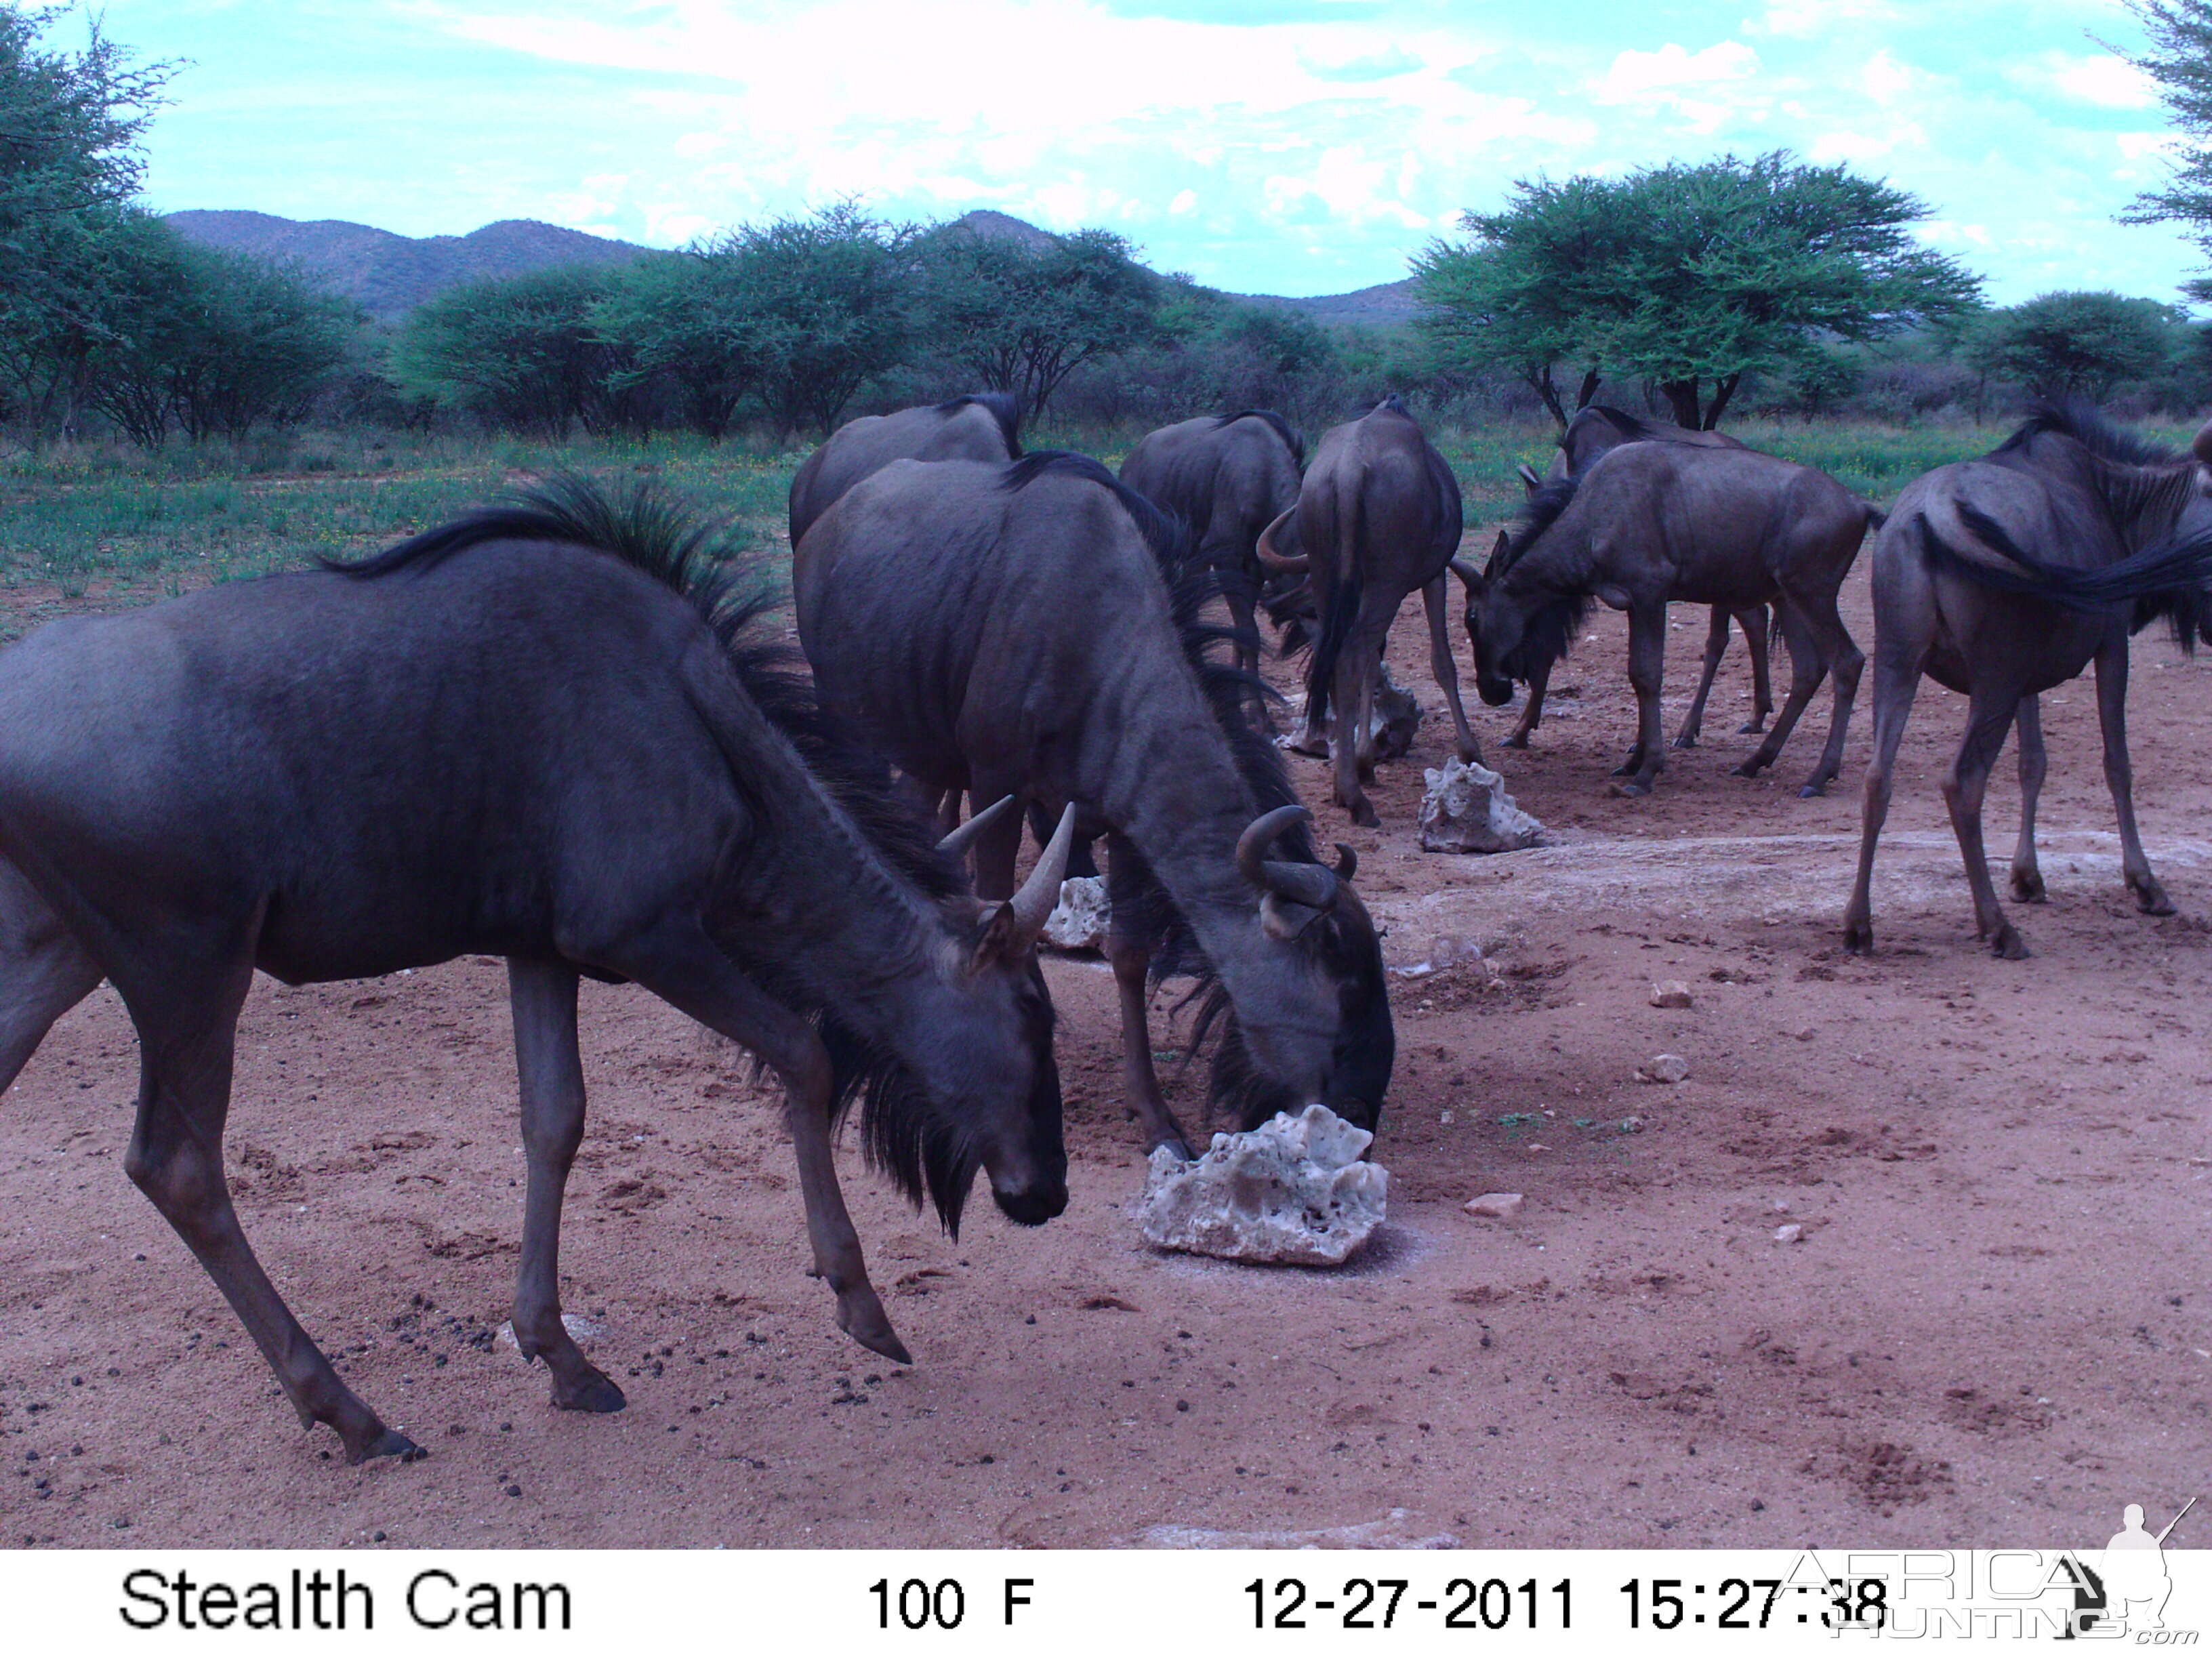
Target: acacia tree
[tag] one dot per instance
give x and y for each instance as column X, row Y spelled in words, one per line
column 2077, row 345
column 1689, row 277
column 2180, row 60
column 1022, row 319
column 523, row 352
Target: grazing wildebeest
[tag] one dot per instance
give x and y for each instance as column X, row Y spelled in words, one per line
column 2005, row 576
column 542, row 733
column 1649, row 523
column 1378, row 517
column 1226, row 476
column 1010, row 630
column 978, row 426
column 1595, row 428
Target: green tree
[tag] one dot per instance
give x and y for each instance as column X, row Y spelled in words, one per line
column 2077, row 345
column 1022, row 319
column 526, row 353
column 1689, row 277
column 2179, row 59
column 691, row 322
column 69, row 164
column 818, row 307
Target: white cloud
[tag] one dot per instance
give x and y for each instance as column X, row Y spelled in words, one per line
column 1635, row 75
column 2099, row 78
column 1803, row 19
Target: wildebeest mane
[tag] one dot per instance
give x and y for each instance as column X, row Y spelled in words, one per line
column 1284, row 431
column 698, row 559
column 2085, row 424
column 1538, row 513
column 1002, row 406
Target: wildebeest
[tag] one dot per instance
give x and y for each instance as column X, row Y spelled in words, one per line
column 1378, row 517
column 1652, row 522
column 2005, row 576
column 978, row 426
column 1009, row 630
column 544, row 732
column 1226, row 476
column 1595, row 428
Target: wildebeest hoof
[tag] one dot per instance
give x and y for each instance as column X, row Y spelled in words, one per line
column 1518, row 740
column 864, row 1320
column 1629, row 787
column 2153, row 902
column 1750, row 769
column 390, row 1443
column 1363, row 814
column 1687, row 740
column 1813, row 791
column 1752, row 728
column 1177, row 1144
column 2027, row 887
column 595, row 1393
column 2008, row 944
column 1859, row 941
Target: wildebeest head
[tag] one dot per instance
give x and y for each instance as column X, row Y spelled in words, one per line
column 1261, row 1067
column 1516, row 636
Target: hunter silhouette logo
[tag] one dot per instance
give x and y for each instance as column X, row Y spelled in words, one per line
column 2127, row 1590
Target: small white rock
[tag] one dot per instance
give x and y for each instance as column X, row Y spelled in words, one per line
column 1078, row 922
column 1663, row 1068
column 1499, row 1206
column 1790, row 1233
column 1670, row 994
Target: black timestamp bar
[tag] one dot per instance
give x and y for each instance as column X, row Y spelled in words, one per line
column 1756, row 1603
column 1387, row 1603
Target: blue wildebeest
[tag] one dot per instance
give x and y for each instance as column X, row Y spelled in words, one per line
column 1595, row 428
column 1378, row 517
column 2005, row 576
column 978, row 426
column 1652, row 522
column 543, row 732
column 1226, row 476
column 1010, row 631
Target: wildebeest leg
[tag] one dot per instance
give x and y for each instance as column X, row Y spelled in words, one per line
column 543, row 996
column 1132, row 964
column 1435, row 599
column 1753, row 618
column 1357, row 670
column 1844, row 661
column 2027, row 879
column 678, row 963
column 1989, row 715
column 1717, row 639
column 1806, row 669
column 1896, row 681
column 1237, row 595
column 1043, row 826
column 2119, row 776
column 186, row 1008
column 44, row 972
column 998, row 844
column 1647, row 667
column 1533, row 710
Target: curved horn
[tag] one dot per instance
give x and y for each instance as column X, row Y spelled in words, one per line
column 1460, row 568
column 955, row 846
column 1311, row 884
column 1272, row 560
column 1347, row 862
column 1040, row 894
column 1531, row 480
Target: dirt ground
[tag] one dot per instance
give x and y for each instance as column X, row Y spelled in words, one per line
column 1996, row 1327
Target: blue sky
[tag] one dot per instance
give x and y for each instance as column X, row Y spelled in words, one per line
column 1270, row 146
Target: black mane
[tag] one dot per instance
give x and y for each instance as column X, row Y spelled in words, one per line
column 1284, row 431
column 1539, row 513
column 1002, row 406
column 2085, row 424
column 902, row 1134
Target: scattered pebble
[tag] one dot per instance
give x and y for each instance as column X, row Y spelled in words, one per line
column 1792, row 1232
column 1670, row 994
column 1500, row 1207
column 1663, row 1068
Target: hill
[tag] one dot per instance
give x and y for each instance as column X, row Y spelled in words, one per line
column 388, row 274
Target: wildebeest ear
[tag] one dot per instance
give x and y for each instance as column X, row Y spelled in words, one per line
column 1498, row 551
column 1003, row 938
column 1285, row 919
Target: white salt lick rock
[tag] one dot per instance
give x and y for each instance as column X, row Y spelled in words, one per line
column 1466, row 810
column 1078, row 922
column 1295, row 1190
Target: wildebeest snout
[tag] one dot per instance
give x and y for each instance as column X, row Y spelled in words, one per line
column 1034, row 1206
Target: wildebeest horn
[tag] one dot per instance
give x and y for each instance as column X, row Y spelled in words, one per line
column 1310, row 885
column 1468, row 573
column 956, row 845
column 1530, row 479
column 1347, row 862
column 1040, row 894
column 1266, row 549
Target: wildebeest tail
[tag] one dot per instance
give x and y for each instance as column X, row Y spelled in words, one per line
column 1875, row 516
column 1334, row 569
column 2171, row 578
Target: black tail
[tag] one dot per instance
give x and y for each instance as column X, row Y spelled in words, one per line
column 2172, row 578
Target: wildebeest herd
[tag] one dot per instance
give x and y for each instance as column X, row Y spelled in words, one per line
column 559, row 732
